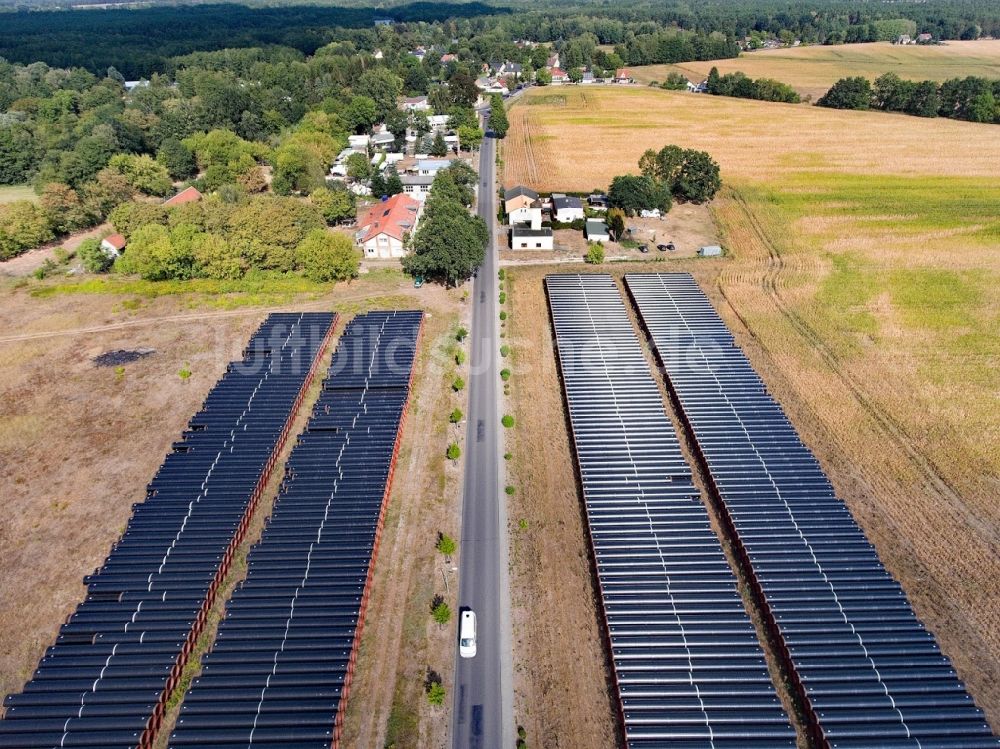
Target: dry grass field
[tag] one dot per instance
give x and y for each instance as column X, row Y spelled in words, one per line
column 863, row 279
column 78, row 443
column 12, row 193
column 812, row 70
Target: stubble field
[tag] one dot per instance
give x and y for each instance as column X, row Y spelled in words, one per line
column 863, row 279
column 812, row 70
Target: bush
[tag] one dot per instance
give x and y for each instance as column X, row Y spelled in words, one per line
column 503, row 297
column 504, row 350
column 503, row 315
column 23, row 226
column 595, row 254
column 460, row 357
column 446, row 544
column 509, row 490
column 501, row 274
column 507, row 421
column 458, row 385
column 453, row 452
column 441, row 613
column 325, row 256
column 461, row 334
column 436, row 694
column 94, row 259
column 508, row 456
column 455, row 416
column 505, row 374
column 157, row 254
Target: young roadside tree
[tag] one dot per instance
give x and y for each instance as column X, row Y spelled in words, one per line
column 498, row 121
column 442, row 613
column 470, row 137
column 446, row 544
column 325, row 256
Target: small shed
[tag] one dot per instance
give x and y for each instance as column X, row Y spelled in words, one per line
column 710, row 250
column 113, row 245
column 597, row 231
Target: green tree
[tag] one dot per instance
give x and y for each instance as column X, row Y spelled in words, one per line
column 19, row 154
column 543, row 77
column 337, row 205
column 325, row 256
column 94, row 259
column 393, row 182
column 143, row 173
column 267, row 229
column 358, row 167
column 453, row 452
column 23, row 226
column 382, row 86
column 153, row 255
column 361, row 113
column 575, row 75
column 442, row 613
column 698, row 180
column 449, row 244
column 470, row 137
column 177, row 159
column 595, row 254
column 675, row 82
column 616, row 223
column 216, row 258
column 436, row 694
column 498, row 121
column 633, row 194
column 439, row 147
column 107, row 191
column 848, row 93
column 128, row 218
column 63, row 208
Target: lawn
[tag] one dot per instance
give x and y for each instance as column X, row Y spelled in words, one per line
column 863, row 279
column 11, row 193
column 812, row 70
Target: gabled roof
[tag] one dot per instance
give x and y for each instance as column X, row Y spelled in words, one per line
column 596, row 226
column 394, row 217
column 623, row 73
column 558, row 73
column 448, row 58
column 519, row 191
column 189, row 195
column 115, row 240
column 560, row 202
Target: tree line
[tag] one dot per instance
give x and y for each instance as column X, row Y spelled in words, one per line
column 740, row 85
column 972, row 98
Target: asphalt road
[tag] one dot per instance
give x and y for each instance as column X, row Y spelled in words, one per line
column 483, row 713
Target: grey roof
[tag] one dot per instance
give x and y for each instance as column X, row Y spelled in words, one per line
column 518, row 232
column 520, row 190
column 566, row 201
column 596, row 226
column 417, row 179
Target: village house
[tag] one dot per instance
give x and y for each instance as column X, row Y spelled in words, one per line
column 559, row 76
column 566, row 208
column 417, row 186
column 188, row 195
column 445, row 59
column 623, row 75
column 531, row 239
column 384, row 227
column 517, row 198
column 416, row 104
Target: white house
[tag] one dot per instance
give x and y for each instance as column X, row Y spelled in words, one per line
column 383, row 228
column 531, row 239
column 358, row 142
column 383, row 139
column 566, row 209
column 416, row 104
column 417, row 186
column 529, row 215
column 430, row 166
column 113, row 245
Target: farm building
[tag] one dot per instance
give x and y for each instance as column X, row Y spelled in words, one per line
column 531, row 239
column 566, row 208
column 597, row 231
column 711, row 250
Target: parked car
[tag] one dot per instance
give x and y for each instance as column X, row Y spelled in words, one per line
column 670, row 246
column 661, row 247
column 467, row 634
column 418, row 281
column 644, row 248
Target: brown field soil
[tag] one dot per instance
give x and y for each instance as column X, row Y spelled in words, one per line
column 812, row 70
column 862, row 277
column 78, row 443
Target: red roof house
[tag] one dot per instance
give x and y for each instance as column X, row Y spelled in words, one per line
column 382, row 228
column 189, row 195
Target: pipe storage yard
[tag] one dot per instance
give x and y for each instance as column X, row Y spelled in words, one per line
column 688, row 668
column 867, row 670
column 281, row 667
column 105, row 681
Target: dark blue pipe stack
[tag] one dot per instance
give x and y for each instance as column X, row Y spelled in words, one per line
column 870, row 673
column 281, row 666
column 105, row 681
column 689, row 670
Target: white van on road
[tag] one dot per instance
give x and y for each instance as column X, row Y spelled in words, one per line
column 467, row 634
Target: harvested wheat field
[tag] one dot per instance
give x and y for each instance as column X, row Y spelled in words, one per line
column 863, row 279
column 812, row 70
column 79, row 442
